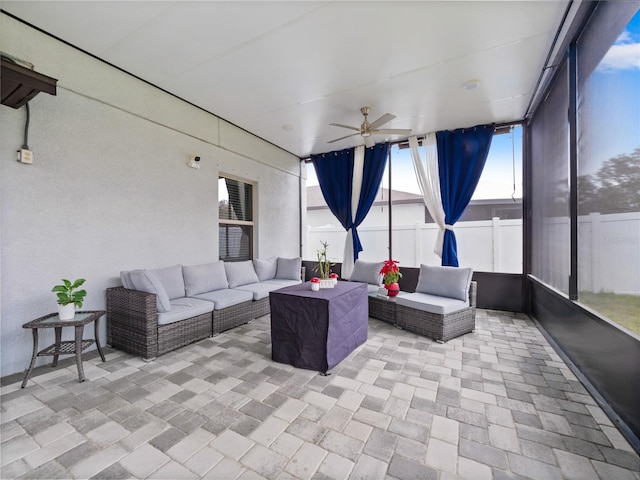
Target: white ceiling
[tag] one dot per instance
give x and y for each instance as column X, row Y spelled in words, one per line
column 285, row 70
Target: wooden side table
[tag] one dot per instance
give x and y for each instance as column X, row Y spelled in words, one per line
column 67, row 347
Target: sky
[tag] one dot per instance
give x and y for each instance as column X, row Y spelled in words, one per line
column 613, row 98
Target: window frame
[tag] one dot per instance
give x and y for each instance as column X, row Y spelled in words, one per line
column 248, row 223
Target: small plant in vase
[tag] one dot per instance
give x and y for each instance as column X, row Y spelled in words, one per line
column 390, row 275
column 69, row 297
column 323, row 268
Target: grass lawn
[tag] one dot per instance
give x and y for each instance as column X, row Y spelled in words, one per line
column 623, row 309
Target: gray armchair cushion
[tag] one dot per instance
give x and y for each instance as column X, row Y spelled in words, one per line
column 289, row 268
column 367, row 272
column 204, row 278
column 240, row 273
column 451, row 282
column 172, row 280
column 266, row 268
column 146, row 281
column 437, row 304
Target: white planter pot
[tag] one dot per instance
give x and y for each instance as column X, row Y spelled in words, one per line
column 67, row 312
column 326, row 283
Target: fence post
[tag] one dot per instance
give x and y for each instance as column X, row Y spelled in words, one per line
column 497, row 244
column 418, row 245
column 596, row 277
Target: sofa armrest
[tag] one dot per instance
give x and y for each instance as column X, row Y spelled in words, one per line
column 473, row 293
column 132, row 321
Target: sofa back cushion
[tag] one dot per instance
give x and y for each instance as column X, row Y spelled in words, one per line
column 204, row 278
column 266, row 268
column 125, row 278
column 288, row 268
column 240, row 273
column 451, row 282
column 147, row 281
column 172, row 280
column 367, row 272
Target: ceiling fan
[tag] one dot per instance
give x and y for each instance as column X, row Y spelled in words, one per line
column 367, row 129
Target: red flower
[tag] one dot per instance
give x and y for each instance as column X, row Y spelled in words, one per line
column 390, row 271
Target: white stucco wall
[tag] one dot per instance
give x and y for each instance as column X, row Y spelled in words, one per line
column 110, row 190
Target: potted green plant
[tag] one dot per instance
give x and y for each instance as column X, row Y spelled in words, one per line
column 69, row 297
column 324, row 266
column 391, row 274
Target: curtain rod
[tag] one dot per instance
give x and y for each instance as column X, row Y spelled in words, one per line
column 499, row 126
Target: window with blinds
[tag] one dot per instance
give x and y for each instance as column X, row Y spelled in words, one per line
column 236, row 220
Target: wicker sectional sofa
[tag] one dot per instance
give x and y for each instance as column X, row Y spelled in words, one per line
column 442, row 307
column 157, row 311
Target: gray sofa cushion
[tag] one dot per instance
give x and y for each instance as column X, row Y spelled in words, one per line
column 240, row 273
column 431, row 303
column 172, row 280
column 289, row 268
column 279, row 282
column 451, row 282
column 183, row 308
column 146, row 281
column 204, row 278
column 367, row 272
column 266, row 268
column 260, row 290
column 226, row 298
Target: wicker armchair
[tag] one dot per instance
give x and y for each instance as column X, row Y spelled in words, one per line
column 441, row 328
column 132, row 325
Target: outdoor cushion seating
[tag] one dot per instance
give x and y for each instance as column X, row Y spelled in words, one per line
column 156, row 311
column 443, row 306
column 369, row 273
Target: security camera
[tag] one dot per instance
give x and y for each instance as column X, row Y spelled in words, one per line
column 194, row 161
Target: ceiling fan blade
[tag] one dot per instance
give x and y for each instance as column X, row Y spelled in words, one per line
column 368, row 142
column 345, row 126
column 387, row 117
column 392, row 131
column 342, row 138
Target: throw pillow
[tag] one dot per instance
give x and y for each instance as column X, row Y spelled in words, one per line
column 146, row 281
column 125, row 278
column 451, row 282
column 240, row 273
column 204, row 278
column 172, row 280
column 367, row 272
column 289, row 268
column 266, row 268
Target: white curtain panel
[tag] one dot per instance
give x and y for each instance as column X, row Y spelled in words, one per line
column 358, row 172
column 429, row 183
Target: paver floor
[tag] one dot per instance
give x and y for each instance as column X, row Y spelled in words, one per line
column 495, row 404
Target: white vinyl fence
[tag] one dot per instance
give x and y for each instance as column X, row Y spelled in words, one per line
column 609, row 258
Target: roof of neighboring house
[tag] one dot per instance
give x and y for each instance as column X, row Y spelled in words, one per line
column 316, row 200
